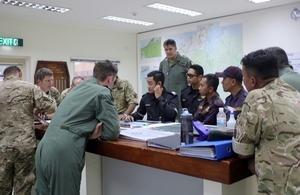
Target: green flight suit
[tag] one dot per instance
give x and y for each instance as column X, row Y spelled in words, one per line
column 60, row 155
column 175, row 75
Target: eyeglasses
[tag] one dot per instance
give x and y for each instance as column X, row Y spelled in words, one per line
column 191, row 75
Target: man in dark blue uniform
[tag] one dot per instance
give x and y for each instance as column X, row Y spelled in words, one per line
column 158, row 103
column 232, row 82
column 209, row 106
column 190, row 96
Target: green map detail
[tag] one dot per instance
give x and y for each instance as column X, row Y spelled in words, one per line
column 151, row 49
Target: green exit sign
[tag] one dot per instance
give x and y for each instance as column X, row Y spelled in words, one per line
column 8, row 41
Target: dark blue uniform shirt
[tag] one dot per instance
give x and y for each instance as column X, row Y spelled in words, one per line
column 162, row 109
column 190, row 99
column 236, row 102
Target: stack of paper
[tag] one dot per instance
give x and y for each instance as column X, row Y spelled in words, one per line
column 132, row 124
column 143, row 134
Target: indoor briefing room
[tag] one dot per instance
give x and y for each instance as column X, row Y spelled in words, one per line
column 82, row 81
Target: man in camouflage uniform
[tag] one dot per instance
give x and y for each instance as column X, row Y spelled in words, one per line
column 125, row 97
column 174, row 67
column 268, row 127
column 209, row 106
column 17, row 137
column 75, row 81
column 44, row 79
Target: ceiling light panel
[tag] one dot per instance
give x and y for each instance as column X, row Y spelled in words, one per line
column 126, row 20
column 174, row 9
column 35, row 6
column 259, row 1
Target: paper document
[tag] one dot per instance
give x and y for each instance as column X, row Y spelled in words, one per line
column 143, row 134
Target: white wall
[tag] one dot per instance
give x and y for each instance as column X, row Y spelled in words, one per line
column 261, row 29
column 54, row 42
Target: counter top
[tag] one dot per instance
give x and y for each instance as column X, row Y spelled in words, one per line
column 226, row 171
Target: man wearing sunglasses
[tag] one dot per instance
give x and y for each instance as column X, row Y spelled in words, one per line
column 190, row 96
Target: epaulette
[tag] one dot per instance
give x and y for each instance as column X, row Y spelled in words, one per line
column 173, row 93
column 185, row 88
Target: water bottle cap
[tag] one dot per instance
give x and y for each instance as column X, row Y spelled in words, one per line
column 185, row 113
column 221, row 109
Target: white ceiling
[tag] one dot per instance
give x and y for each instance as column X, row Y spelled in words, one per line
column 88, row 13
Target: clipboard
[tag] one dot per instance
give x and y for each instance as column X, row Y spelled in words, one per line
column 212, row 150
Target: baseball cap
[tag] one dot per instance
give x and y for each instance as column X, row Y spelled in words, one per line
column 232, row 72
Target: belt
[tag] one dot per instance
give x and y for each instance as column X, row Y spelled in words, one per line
column 65, row 127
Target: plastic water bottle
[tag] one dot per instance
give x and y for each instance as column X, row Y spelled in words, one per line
column 221, row 119
column 231, row 122
column 186, row 129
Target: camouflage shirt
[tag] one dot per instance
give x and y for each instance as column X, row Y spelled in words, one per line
column 17, row 101
column 123, row 95
column 269, row 128
column 64, row 93
column 54, row 93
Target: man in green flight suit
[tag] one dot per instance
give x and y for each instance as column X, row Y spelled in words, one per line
column 174, row 67
column 86, row 113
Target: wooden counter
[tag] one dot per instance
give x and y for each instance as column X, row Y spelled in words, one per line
column 225, row 171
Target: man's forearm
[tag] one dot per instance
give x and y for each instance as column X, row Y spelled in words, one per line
column 130, row 109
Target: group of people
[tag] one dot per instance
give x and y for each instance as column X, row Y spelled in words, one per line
column 181, row 84
column 87, row 112
column 267, row 117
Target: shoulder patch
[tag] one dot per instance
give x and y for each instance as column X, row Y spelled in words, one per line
column 174, row 93
column 185, row 88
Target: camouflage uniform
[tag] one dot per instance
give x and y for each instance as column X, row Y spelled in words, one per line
column 64, row 93
column 54, row 93
column 123, row 95
column 17, row 137
column 269, row 128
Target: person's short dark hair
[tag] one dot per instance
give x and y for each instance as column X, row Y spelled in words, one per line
column 281, row 56
column 170, row 42
column 11, row 70
column 198, row 69
column 103, row 69
column 233, row 72
column 157, row 76
column 42, row 72
column 77, row 77
column 212, row 81
column 261, row 64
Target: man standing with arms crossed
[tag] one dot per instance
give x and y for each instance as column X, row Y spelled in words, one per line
column 174, row 66
column 17, row 137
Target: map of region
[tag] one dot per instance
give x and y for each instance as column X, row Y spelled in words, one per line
column 150, row 48
column 212, row 46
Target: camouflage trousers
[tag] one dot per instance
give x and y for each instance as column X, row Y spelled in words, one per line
column 17, row 171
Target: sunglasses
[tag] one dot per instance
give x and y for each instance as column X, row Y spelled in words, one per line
column 191, row 75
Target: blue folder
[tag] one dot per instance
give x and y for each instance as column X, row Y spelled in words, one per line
column 212, row 150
